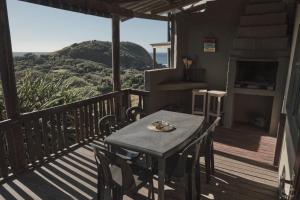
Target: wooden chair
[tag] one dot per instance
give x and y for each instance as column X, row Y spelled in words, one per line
column 108, row 124
column 133, row 113
column 182, row 168
column 207, row 150
column 117, row 178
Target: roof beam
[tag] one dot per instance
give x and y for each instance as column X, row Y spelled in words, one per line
column 124, row 1
column 147, row 16
column 95, row 7
column 100, row 6
column 195, row 8
column 172, row 6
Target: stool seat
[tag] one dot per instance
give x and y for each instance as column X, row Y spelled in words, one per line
column 217, row 93
column 199, row 91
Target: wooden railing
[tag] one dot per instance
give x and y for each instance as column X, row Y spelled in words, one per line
column 53, row 131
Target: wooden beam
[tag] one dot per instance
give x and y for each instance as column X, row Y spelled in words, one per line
column 195, row 8
column 14, row 137
column 76, row 6
column 164, row 45
column 140, row 9
column 94, row 7
column 84, row 6
column 154, row 17
column 173, row 6
column 154, row 58
column 142, row 5
column 125, row 1
column 116, row 53
column 169, row 40
column 172, row 38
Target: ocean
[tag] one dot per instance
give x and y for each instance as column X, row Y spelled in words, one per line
column 161, row 58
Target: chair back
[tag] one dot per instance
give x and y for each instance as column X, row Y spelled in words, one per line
column 208, row 136
column 107, row 125
column 212, row 127
column 106, row 160
column 105, row 181
column 132, row 113
column 191, row 151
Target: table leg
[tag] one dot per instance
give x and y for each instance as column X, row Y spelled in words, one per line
column 161, row 178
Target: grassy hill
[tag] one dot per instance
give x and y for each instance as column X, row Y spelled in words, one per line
column 76, row 72
column 131, row 55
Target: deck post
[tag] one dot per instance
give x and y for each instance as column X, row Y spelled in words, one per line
column 116, row 63
column 14, row 137
column 154, row 58
column 172, row 38
column 116, row 53
column 169, row 40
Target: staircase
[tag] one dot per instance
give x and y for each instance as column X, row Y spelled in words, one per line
column 262, row 36
column 262, row 30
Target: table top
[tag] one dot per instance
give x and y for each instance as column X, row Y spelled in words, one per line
column 138, row 137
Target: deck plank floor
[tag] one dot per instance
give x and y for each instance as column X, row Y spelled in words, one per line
column 74, row 176
column 246, row 144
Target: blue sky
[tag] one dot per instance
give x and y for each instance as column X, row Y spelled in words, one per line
column 37, row 28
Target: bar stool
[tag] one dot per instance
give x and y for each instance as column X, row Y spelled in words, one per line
column 214, row 103
column 200, row 93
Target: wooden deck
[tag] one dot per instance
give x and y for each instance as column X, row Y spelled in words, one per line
column 245, row 143
column 73, row 176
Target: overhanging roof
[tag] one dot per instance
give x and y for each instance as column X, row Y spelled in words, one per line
column 126, row 9
column 164, row 45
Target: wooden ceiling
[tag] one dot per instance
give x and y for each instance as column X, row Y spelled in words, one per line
column 126, row 9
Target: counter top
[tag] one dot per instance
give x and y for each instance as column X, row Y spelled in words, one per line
column 181, row 85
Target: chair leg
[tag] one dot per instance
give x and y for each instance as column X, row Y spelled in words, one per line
column 152, row 191
column 207, row 167
column 187, row 188
column 198, row 182
column 194, row 183
column 151, row 188
column 212, row 159
column 117, row 194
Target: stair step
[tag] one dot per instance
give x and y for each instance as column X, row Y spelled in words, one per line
column 272, row 7
column 263, row 1
column 280, row 43
column 262, row 31
column 260, row 54
column 263, row 19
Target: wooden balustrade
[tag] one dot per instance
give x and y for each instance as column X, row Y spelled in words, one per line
column 53, row 131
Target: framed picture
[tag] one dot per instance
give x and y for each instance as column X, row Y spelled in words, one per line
column 209, row 45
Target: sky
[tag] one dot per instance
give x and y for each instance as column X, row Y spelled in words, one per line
column 36, row 28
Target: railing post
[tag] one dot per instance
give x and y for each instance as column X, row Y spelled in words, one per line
column 14, row 136
column 116, row 63
column 116, row 53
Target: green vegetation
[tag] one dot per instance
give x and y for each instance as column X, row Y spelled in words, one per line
column 76, row 72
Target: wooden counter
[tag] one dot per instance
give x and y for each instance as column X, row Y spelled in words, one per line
column 181, row 85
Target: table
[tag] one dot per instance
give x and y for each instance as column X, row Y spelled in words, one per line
column 160, row 145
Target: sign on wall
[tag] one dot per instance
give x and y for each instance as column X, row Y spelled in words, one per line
column 209, row 45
